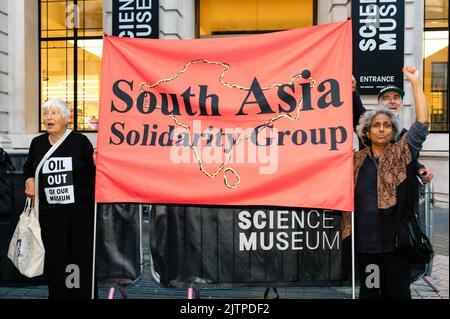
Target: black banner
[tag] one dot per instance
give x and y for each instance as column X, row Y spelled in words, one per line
column 118, row 251
column 136, row 18
column 378, row 43
column 205, row 247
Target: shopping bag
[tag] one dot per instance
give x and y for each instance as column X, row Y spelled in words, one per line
column 26, row 249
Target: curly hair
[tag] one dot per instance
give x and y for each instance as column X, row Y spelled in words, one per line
column 366, row 120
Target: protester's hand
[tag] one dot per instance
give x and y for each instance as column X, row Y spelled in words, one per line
column 426, row 174
column 353, row 84
column 411, row 73
column 29, row 188
column 94, row 156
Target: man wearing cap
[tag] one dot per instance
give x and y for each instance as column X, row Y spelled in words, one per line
column 391, row 97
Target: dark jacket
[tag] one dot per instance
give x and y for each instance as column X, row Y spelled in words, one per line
column 396, row 183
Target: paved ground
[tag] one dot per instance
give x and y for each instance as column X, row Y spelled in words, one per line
column 146, row 288
column 440, row 231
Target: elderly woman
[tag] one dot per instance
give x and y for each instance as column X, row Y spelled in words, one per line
column 66, row 203
column 385, row 191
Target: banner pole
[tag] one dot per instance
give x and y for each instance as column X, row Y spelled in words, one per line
column 353, row 257
column 93, row 251
column 141, row 254
column 190, row 293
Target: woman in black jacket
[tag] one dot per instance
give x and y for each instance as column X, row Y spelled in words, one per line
column 66, row 203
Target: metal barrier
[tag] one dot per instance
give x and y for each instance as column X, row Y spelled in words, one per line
column 122, row 285
column 153, row 272
column 191, row 293
column 426, row 201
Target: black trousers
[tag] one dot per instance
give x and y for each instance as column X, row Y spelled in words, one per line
column 67, row 233
column 394, row 276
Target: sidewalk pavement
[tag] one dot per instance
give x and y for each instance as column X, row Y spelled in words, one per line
column 419, row 290
column 146, row 288
column 149, row 289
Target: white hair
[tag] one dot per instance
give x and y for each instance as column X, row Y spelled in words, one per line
column 60, row 105
column 366, row 120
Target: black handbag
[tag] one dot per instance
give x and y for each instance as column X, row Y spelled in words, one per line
column 412, row 242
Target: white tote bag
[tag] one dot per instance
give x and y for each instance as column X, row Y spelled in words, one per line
column 26, row 249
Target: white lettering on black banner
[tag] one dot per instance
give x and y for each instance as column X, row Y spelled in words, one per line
column 283, row 229
column 378, row 43
column 136, row 18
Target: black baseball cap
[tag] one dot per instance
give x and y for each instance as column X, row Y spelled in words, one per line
column 391, row 88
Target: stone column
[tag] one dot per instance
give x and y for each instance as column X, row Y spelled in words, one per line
column 23, row 81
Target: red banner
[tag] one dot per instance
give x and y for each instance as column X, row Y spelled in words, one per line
column 253, row 120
